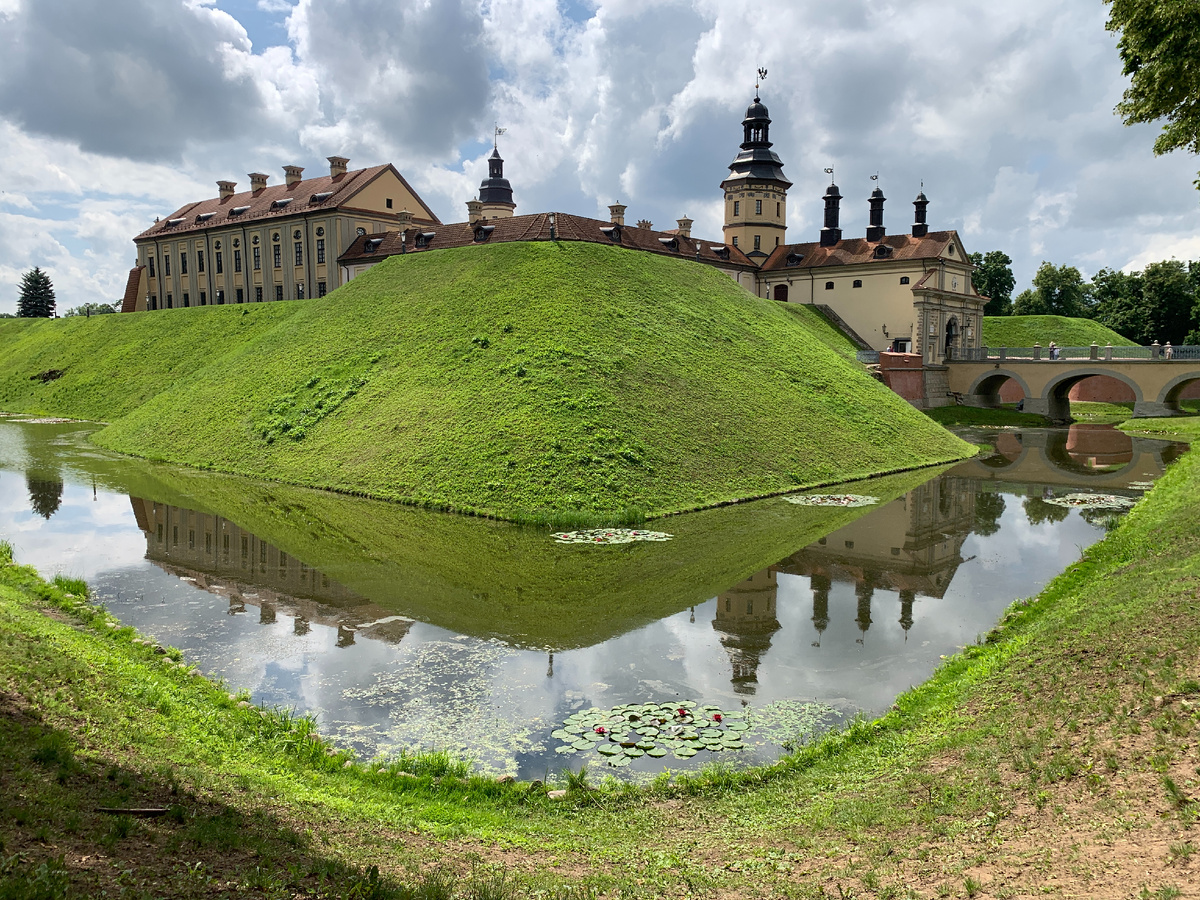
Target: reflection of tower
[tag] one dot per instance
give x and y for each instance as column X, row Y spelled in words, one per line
column 820, row 618
column 550, row 667
column 864, row 590
column 300, row 626
column 906, row 605
column 745, row 621
column 345, row 636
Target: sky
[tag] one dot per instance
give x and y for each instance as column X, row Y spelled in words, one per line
column 114, row 113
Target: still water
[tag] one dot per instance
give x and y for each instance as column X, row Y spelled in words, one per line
column 403, row 628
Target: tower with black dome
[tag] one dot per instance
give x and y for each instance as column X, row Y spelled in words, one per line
column 756, row 189
column 495, row 193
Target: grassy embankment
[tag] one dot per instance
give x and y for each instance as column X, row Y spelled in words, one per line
column 1025, row 331
column 1058, row 754
column 528, row 381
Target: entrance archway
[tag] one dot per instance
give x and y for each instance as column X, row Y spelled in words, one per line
column 781, row 293
column 951, row 335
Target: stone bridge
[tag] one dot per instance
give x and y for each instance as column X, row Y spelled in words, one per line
column 1156, row 381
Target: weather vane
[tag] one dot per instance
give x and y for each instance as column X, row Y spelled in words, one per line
column 875, row 177
column 496, row 137
column 829, row 172
column 762, row 76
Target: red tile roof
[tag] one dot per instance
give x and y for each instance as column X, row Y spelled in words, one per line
column 859, row 251
column 536, row 227
column 257, row 205
column 129, row 301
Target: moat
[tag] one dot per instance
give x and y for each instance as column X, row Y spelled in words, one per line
column 403, row 628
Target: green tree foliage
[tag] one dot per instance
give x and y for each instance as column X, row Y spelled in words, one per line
column 1160, row 47
column 45, row 494
column 1156, row 304
column 91, row 309
column 37, row 295
column 993, row 278
column 988, row 510
column 1057, row 291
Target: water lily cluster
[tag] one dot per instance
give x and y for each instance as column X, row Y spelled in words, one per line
column 832, row 500
column 625, row 733
column 609, row 536
column 1092, row 501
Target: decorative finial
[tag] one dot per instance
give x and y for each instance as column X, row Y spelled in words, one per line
column 762, row 75
column 875, row 177
column 496, row 137
column 829, row 172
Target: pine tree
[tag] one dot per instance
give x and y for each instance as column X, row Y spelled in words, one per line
column 37, row 295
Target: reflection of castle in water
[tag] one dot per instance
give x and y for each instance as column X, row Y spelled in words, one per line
column 911, row 546
column 222, row 558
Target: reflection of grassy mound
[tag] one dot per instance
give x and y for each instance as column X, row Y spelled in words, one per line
column 510, row 379
column 1025, row 331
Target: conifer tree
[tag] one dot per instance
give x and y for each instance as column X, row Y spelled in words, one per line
column 37, row 295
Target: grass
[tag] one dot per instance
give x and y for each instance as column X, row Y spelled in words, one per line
column 540, row 382
column 1025, row 331
column 1067, row 731
column 974, row 415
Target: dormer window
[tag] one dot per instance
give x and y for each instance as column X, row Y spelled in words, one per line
column 237, row 211
column 281, row 202
column 371, row 245
column 670, row 243
column 722, row 252
column 793, row 259
column 483, row 232
column 883, row 251
column 613, row 232
column 204, row 217
column 173, row 222
column 424, row 238
column 321, row 197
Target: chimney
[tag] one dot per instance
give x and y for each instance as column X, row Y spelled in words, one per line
column 920, row 229
column 258, row 181
column 685, row 227
column 831, row 233
column 292, row 174
column 645, row 223
column 405, row 218
column 337, row 165
column 474, row 210
column 226, row 189
column 876, row 231
column 616, row 213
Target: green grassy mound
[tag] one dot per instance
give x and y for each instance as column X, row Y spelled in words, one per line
column 519, row 380
column 1025, row 331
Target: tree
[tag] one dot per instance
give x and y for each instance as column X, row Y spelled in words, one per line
column 1057, row 291
column 1156, row 304
column 994, row 279
column 1119, row 305
column 92, row 309
column 45, row 494
column 1169, row 295
column 1160, row 48
column 37, row 295
column 988, row 510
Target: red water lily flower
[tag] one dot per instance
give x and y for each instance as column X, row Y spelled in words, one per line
column 717, row 717
column 681, row 712
column 600, row 729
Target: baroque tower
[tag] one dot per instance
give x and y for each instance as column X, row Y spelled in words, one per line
column 495, row 193
column 756, row 189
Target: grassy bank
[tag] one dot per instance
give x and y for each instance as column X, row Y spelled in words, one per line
column 1000, row 417
column 1057, row 754
column 545, row 381
column 1025, row 331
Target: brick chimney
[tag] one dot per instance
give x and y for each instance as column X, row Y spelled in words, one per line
column 337, row 165
column 616, row 214
column 226, row 189
column 258, row 181
column 474, row 210
column 685, row 227
column 293, row 175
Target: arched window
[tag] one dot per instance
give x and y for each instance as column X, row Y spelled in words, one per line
column 829, row 285
column 781, row 292
column 904, row 279
column 858, row 282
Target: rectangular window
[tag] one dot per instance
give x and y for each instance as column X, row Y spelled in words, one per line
column 279, row 292
column 257, row 258
column 160, row 534
column 300, row 290
column 245, row 547
column 170, row 305
column 166, row 265
column 241, row 296
column 735, row 240
column 320, row 250
column 778, row 209
column 237, row 260
column 204, row 298
column 737, row 207
column 207, row 542
column 299, row 253
column 175, row 535
column 220, row 267
column 151, row 261
column 153, row 302
column 262, row 552
column 389, row 202
column 758, row 207
column 186, row 303
column 278, row 256
column 225, row 545
column 220, row 298
column 758, row 242
column 320, row 289
column 199, row 260
column 182, row 262
column 258, row 295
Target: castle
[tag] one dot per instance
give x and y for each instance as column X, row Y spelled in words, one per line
column 908, row 293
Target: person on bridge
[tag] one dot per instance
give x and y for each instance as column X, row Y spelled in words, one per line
column 1168, row 351
column 1053, row 350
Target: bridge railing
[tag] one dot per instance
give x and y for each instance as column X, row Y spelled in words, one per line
column 1097, row 353
column 868, row 357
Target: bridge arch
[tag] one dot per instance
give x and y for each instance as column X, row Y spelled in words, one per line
column 1058, row 389
column 1175, row 387
column 985, row 390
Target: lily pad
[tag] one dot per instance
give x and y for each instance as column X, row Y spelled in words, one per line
column 621, row 760
column 565, row 748
column 634, row 752
column 608, row 750
column 685, row 753
column 657, row 752
column 737, row 726
column 645, row 745
column 733, row 745
column 846, row 500
column 582, row 745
